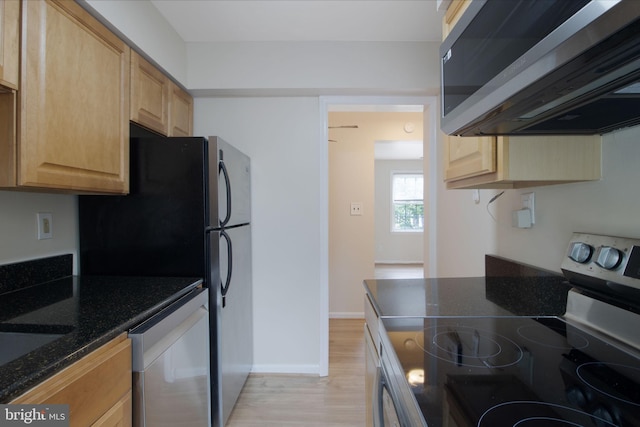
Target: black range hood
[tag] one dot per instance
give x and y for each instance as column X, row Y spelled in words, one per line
column 545, row 67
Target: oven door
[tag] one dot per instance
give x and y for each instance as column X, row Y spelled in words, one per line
column 394, row 402
column 385, row 413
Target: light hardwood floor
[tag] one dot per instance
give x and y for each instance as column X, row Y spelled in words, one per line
column 308, row 400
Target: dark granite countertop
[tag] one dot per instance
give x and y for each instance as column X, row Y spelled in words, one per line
column 509, row 289
column 86, row 311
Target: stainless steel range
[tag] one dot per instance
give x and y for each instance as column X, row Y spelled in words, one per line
column 577, row 369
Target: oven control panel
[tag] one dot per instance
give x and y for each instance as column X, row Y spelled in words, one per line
column 608, row 259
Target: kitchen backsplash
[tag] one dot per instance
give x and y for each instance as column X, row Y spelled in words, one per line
column 20, row 275
column 518, row 287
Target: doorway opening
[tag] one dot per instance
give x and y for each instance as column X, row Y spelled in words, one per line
column 350, row 209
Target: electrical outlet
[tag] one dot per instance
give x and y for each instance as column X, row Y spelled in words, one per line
column 476, row 196
column 528, row 202
column 45, row 225
column 356, row 208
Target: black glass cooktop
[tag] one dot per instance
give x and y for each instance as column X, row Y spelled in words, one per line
column 525, row 372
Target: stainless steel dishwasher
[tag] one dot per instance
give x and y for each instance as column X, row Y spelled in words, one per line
column 171, row 365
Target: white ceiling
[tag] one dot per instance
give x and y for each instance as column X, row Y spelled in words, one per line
column 303, row 20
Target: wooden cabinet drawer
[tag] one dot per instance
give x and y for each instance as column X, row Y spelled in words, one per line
column 119, row 415
column 91, row 387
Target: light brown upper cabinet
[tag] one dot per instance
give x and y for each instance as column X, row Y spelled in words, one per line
column 156, row 102
column 149, row 95
column 452, row 15
column 9, row 77
column 9, row 43
column 523, row 161
column 467, row 157
column 180, row 112
column 72, row 106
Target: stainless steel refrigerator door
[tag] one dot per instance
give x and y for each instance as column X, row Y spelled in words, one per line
column 229, row 184
column 234, row 315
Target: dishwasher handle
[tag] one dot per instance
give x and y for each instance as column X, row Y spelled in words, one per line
column 158, row 333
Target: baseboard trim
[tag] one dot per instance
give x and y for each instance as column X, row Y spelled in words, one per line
column 286, row 369
column 404, row 263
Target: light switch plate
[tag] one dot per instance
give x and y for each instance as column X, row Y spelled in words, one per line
column 529, row 202
column 45, row 225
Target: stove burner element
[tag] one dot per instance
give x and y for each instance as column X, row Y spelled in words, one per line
column 538, row 414
column 469, row 347
column 539, row 334
column 615, row 381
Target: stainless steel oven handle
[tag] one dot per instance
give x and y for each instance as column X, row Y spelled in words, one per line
column 376, row 397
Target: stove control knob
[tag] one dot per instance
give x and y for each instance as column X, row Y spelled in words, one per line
column 608, row 258
column 580, row 252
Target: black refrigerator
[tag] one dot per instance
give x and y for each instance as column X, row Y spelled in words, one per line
column 188, row 214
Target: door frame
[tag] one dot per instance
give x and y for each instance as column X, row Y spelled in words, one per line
column 430, row 138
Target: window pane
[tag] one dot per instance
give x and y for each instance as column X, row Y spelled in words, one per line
column 407, row 187
column 408, row 205
column 408, row 217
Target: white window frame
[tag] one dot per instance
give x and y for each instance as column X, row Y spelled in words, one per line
column 392, row 200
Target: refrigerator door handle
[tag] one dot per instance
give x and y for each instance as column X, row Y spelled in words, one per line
column 224, row 284
column 222, row 169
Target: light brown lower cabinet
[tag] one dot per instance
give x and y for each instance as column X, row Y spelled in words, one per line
column 118, row 416
column 97, row 387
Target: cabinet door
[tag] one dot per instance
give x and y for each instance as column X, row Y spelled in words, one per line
column 149, row 95
column 9, row 43
column 180, row 112
column 452, row 15
column 74, row 101
column 120, row 415
column 94, row 386
column 469, row 156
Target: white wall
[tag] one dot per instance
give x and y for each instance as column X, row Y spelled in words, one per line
column 18, row 226
column 465, row 231
column 313, row 68
column 143, row 26
column 351, row 179
column 610, row 206
column 351, row 238
column 281, row 135
column 394, row 247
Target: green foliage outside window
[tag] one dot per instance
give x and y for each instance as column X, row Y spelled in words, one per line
column 408, row 216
